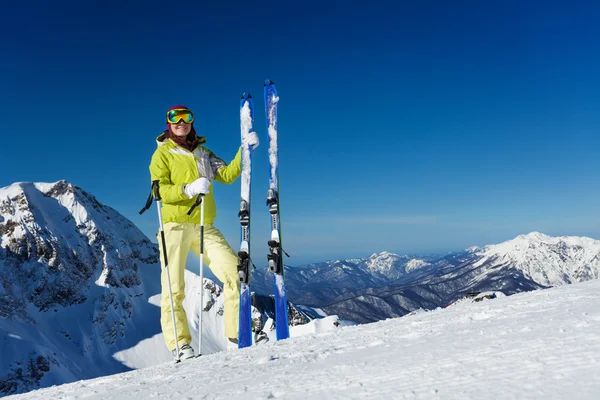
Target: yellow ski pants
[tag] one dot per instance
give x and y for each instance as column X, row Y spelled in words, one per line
column 180, row 238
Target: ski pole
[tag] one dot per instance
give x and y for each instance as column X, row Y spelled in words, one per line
column 164, row 249
column 200, row 201
column 201, row 277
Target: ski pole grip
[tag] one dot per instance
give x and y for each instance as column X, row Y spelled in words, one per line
column 155, row 190
column 196, row 204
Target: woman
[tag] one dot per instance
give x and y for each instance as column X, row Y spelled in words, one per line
column 186, row 169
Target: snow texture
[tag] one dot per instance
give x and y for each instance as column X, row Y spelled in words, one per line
column 280, row 284
column 415, row 264
column 537, row 345
column 272, row 129
column 246, row 128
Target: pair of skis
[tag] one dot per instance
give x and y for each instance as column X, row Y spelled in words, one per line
column 275, row 256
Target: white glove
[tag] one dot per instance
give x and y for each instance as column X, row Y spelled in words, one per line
column 252, row 140
column 199, row 186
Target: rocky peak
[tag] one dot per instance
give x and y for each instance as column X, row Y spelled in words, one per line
column 57, row 241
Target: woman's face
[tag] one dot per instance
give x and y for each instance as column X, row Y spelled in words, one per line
column 181, row 129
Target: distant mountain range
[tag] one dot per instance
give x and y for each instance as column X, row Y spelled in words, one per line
column 389, row 285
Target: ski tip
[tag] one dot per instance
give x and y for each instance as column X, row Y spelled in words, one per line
column 246, row 96
column 269, row 82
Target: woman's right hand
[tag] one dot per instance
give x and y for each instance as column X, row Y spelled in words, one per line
column 199, row 186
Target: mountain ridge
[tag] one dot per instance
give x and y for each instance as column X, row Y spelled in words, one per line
column 527, row 262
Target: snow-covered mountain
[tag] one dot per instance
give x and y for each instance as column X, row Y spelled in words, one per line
column 387, row 285
column 416, row 264
column 548, row 261
column 539, row 345
column 80, row 291
column 329, row 279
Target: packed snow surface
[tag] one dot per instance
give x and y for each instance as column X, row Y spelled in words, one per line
column 537, row 345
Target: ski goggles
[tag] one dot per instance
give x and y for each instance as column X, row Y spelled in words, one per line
column 180, row 114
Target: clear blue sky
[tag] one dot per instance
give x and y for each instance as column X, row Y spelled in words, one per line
column 405, row 126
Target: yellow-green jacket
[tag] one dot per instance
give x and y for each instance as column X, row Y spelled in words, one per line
column 174, row 166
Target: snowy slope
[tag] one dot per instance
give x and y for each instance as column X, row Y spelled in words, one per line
column 537, row 345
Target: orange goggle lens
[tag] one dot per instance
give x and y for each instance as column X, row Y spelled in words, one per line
column 180, row 114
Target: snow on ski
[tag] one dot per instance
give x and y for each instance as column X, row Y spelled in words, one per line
column 275, row 256
column 245, row 318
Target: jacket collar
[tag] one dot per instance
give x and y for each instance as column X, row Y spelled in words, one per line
column 164, row 138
